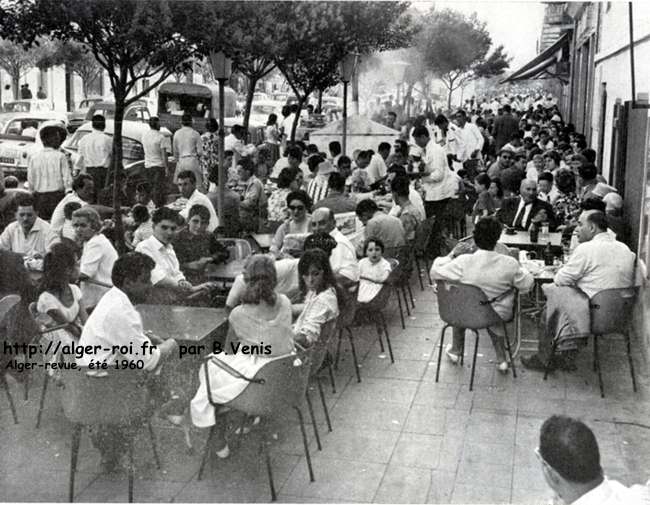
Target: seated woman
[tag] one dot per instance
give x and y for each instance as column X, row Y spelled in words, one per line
column 484, row 205
column 277, row 202
column 195, row 247
column 59, row 301
column 299, row 205
column 264, row 318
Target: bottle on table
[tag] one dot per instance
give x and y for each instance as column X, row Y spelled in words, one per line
column 549, row 257
column 534, row 233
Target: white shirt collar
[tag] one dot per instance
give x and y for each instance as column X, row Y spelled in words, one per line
column 159, row 245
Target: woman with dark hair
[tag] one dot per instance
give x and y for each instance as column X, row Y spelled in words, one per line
column 272, row 137
column 263, row 320
column 496, row 192
column 253, row 197
column 485, row 205
column 299, row 205
column 277, row 203
column 318, row 284
column 567, row 204
column 59, row 301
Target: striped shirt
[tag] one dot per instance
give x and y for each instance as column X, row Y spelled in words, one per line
column 48, row 170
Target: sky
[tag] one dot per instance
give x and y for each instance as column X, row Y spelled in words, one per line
column 516, row 25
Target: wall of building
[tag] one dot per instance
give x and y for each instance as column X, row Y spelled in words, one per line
column 612, row 65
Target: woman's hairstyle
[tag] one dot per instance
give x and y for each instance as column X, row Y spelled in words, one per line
column 565, row 181
column 246, row 163
column 272, row 119
column 483, row 179
column 301, row 195
column 91, row 215
column 261, row 278
column 497, row 183
column 321, row 240
column 555, row 156
column 199, row 210
column 376, row 241
column 319, row 259
column 140, row 214
column 286, row 177
column 57, row 262
column 69, row 208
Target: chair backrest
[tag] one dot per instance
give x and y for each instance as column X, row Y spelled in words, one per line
column 284, row 384
column 319, row 352
column 348, row 308
column 423, row 235
column 465, row 306
column 7, row 303
column 117, row 398
column 611, row 310
column 238, row 248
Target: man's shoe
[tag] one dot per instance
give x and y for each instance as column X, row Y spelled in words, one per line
column 453, row 357
column 535, row 363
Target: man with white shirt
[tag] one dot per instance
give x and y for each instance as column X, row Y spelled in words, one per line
column 188, row 147
column 376, row 170
column 155, row 159
column 48, row 172
column 187, row 186
column 94, row 153
column 167, row 278
column 343, row 258
column 599, row 262
column 83, row 189
column 468, row 137
column 439, row 186
column 28, row 235
column 570, row 460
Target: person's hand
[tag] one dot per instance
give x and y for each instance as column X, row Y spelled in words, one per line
column 185, row 285
column 540, row 217
column 461, row 248
column 204, row 261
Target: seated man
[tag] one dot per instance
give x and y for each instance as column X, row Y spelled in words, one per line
column 407, row 213
column 379, row 225
column 337, row 200
column 115, row 321
column 195, row 247
column 187, row 187
column 83, row 191
column 520, row 212
column 28, row 235
column 496, row 274
column 599, row 262
column 343, row 258
column 570, row 460
column 167, row 277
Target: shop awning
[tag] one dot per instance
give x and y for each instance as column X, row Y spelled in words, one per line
column 542, row 61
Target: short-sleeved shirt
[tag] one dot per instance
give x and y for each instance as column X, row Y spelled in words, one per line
column 37, row 241
column 97, row 260
column 165, row 258
column 153, row 143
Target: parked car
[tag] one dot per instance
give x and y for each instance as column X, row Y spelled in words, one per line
column 255, row 128
column 137, row 111
column 31, row 105
column 260, row 110
column 78, row 117
column 16, row 147
column 132, row 150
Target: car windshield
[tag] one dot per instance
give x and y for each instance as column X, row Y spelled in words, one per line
column 263, row 109
column 132, row 150
column 17, row 107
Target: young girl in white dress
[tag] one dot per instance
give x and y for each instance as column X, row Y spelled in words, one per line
column 59, row 301
column 374, row 270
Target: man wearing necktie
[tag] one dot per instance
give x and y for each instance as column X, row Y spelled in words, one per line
column 520, row 212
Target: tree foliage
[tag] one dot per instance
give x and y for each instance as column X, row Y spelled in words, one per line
column 455, row 47
column 78, row 58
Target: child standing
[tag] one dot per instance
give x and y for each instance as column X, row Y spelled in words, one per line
column 374, row 269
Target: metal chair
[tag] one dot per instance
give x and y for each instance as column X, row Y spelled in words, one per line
column 120, row 398
column 8, row 303
column 238, row 248
column 466, row 306
column 454, row 218
column 610, row 311
column 279, row 384
column 319, row 353
column 347, row 313
column 396, row 280
column 421, row 248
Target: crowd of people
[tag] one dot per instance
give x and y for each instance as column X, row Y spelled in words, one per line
column 514, row 165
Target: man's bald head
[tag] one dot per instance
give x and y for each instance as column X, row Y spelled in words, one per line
column 528, row 190
column 322, row 220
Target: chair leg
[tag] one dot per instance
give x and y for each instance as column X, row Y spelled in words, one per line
column 310, row 407
column 428, row 265
column 471, row 381
column 26, row 383
column 408, row 287
column 325, row 409
column 130, row 471
column 406, row 301
column 305, row 444
column 390, row 347
column 597, row 367
column 206, row 452
column 74, row 452
column 338, row 350
column 630, row 360
column 381, row 341
column 442, row 341
column 42, row 401
column 419, row 269
column 154, row 448
column 354, row 355
column 269, row 471
column 509, row 349
column 5, row 385
column 550, row 359
column 401, row 312
column 331, row 374
column 462, row 351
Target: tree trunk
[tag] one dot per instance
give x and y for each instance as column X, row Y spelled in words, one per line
column 116, row 164
column 449, row 99
column 355, row 90
column 296, row 119
column 320, row 101
column 15, row 83
column 252, row 82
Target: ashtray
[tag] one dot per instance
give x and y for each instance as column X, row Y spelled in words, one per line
column 510, row 231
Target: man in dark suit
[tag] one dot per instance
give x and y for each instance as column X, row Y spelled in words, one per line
column 520, row 211
column 504, row 126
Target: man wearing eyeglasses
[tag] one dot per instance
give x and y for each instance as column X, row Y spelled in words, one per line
column 570, row 459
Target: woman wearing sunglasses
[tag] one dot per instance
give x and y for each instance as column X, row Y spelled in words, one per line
column 299, row 205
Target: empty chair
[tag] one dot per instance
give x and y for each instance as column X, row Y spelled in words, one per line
column 610, row 312
column 466, row 306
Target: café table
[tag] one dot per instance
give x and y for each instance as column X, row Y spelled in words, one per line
column 521, row 240
column 225, row 272
column 263, row 240
column 187, row 324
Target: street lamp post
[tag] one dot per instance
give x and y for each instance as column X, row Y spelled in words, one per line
column 347, row 71
column 221, row 68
